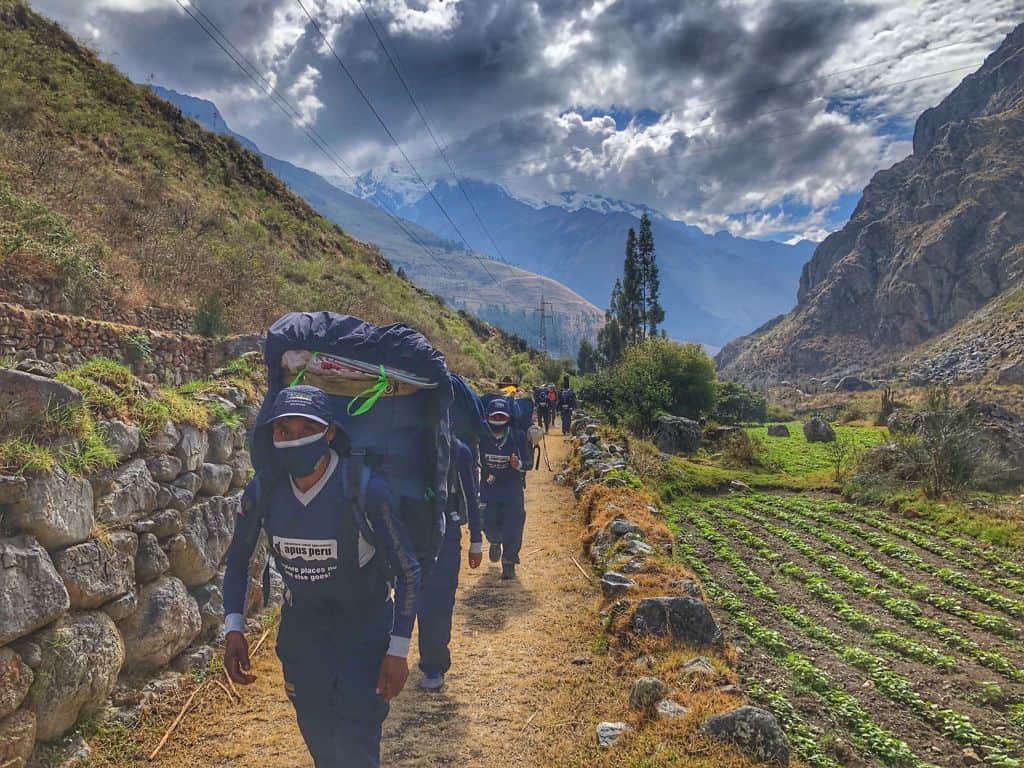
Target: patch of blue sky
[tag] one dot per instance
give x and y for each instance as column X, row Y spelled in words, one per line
column 622, row 116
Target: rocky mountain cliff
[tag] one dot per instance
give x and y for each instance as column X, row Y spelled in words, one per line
column 933, row 240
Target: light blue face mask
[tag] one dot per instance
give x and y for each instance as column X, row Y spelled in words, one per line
column 300, row 457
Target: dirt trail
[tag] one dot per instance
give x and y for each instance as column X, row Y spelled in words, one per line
column 513, row 644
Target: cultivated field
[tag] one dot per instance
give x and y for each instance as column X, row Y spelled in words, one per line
column 877, row 640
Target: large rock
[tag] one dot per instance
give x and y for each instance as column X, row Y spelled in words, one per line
column 17, row 738
column 15, row 680
column 166, row 523
column 676, row 434
column 196, row 553
column 31, row 592
column 166, row 622
column 610, row 734
column 754, row 732
column 12, row 489
column 82, row 656
column 57, row 510
column 96, row 572
column 216, row 479
column 685, row 619
column 192, row 447
column 778, row 430
column 174, row 497
column 817, row 430
column 1005, row 430
column 615, row 585
column 164, row 468
column 1011, row 374
column 129, row 493
column 221, row 439
column 151, row 561
column 210, row 599
column 123, row 607
column 122, row 438
column 25, row 398
column 646, row 693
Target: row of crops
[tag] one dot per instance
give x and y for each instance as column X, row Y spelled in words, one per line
column 901, row 641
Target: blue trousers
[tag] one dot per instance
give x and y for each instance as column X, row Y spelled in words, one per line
column 436, row 603
column 504, row 520
column 566, row 420
column 330, row 671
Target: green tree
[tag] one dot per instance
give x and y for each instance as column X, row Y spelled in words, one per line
column 736, row 403
column 631, row 301
column 609, row 338
column 652, row 314
column 586, row 358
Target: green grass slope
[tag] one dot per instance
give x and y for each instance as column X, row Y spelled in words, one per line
column 110, row 198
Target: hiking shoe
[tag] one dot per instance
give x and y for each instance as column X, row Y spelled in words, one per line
column 508, row 571
column 432, row 682
column 494, row 553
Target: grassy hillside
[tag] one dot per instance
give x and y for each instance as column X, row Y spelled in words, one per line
column 109, row 197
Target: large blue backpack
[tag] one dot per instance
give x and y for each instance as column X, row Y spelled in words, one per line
column 390, row 393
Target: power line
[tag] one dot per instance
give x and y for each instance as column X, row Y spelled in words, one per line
column 294, row 117
column 426, row 123
column 397, row 144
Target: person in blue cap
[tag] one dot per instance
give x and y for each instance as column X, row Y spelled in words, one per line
column 437, row 599
column 501, row 492
column 566, row 404
column 342, row 639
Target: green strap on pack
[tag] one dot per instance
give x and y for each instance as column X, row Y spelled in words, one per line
column 370, row 396
column 302, row 373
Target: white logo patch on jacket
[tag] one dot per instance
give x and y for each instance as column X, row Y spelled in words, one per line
column 306, row 549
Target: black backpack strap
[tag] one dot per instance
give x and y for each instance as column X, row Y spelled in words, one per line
column 357, row 478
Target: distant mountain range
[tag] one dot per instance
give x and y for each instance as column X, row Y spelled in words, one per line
column 715, row 287
column 503, row 294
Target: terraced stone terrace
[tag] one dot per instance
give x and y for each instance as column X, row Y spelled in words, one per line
column 876, row 640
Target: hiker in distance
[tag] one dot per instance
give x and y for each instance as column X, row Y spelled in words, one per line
column 502, row 451
column 342, row 641
column 437, row 599
column 566, row 404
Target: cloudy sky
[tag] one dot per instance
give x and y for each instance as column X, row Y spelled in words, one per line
column 763, row 117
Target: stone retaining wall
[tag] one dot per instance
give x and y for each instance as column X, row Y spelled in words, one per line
column 171, row 358
column 106, row 581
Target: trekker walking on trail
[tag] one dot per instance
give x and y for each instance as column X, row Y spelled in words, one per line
column 502, row 448
column 566, row 404
column 342, row 640
column 437, row 599
column 540, row 399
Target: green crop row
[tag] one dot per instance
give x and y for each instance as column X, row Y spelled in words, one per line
column 804, row 741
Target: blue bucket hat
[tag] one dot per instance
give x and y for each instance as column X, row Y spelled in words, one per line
column 305, row 401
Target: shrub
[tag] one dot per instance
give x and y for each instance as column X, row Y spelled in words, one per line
column 209, row 319
column 654, row 377
column 138, row 348
column 735, row 403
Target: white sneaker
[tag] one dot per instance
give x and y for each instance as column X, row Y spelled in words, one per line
column 432, row 682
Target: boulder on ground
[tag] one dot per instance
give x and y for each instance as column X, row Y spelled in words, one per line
column 122, row 438
column 38, row 367
column 720, row 433
column 166, row 622
column 192, row 447
column 853, row 384
column 82, row 656
column 25, row 398
column 646, row 693
column 685, row 619
column 609, row 734
column 676, row 434
column 128, row 494
column 670, row 710
column 754, row 731
column 15, row 680
column 817, row 430
column 614, row 585
column 1011, row 374
column 196, row 553
column 17, row 738
column 778, row 430
column 56, row 508
column 96, row 572
column 216, row 479
column 31, row 592
column 150, row 561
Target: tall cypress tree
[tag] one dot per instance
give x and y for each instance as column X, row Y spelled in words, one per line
column 631, row 305
column 609, row 338
column 652, row 313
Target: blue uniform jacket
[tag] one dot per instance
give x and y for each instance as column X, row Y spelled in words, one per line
column 325, row 563
column 470, row 481
column 495, row 454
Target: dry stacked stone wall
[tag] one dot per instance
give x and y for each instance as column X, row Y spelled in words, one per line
column 163, row 356
column 107, row 581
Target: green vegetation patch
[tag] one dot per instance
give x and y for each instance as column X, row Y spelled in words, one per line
column 795, row 456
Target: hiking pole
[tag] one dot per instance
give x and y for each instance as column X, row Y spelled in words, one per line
column 544, row 442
